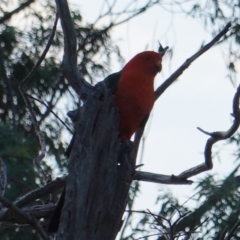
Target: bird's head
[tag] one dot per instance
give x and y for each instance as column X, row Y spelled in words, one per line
column 147, row 62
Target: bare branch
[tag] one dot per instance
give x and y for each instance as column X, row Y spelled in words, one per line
column 215, row 137
column 40, row 135
column 41, row 192
column 160, row 178
column 181, row 216
column 233, row 230
column 160, row 90
column 136, row 13
column 50, row 110
column 127, row 10
column 28, row 105
column 36, row 211
column 203, row 131
column 70, row 69
column 223, row 234
column 25, row 216
column 7, row 16
column 36, row 194
column 44, row 53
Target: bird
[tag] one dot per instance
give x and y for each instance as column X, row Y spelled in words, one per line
column 133, row 89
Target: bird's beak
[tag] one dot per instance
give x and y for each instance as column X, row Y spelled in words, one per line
column 162, row 50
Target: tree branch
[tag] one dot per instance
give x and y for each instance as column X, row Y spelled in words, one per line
column 36, row 194
column 233, row 230
column 223, row 234
column 215, row 137
column 44, row 53
column 28, row 105
column 7, row 16
column 160, row 90
column 51, row 111
column 36, row 211
column 160, row 178
column 40, row 136
column 25, row 216
column 75, row 79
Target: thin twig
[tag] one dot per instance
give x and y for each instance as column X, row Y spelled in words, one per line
column 44, row 53
column 59, row 119
column 203, row 131
column 198, row 226
column 40, row 135
column 223, row 234
column 181, row 216
column 233, row 230
column 156, row 218
column 160, row 90
column 28, row 105
column 144, row 212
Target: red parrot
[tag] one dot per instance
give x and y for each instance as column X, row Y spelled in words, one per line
column 134, row 96
column 134, row 90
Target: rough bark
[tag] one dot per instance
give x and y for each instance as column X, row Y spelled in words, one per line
column 100, row 173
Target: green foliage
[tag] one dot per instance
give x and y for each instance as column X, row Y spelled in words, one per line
column 219, row 202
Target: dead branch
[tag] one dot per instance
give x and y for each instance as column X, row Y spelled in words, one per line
column 75, row 79
column 29, row 219
column 40, row 135
column 35, row 194
column 215, row 137
column 168, row 82
column 160, row 178
column 36, row 211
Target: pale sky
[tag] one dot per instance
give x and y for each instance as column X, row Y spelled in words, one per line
column 202, row 96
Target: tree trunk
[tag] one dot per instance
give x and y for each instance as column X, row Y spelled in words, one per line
column 100, row 173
